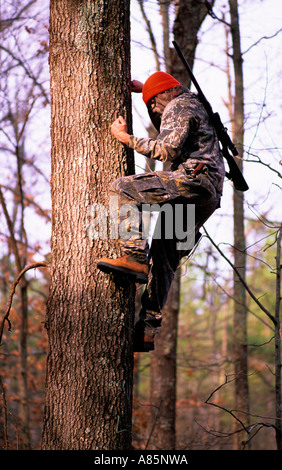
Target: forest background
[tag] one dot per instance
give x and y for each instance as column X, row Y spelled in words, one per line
column 204, row 355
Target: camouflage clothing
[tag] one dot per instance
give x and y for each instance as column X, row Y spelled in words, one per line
column 160, row 188
column 186, row 139
column 176, row 187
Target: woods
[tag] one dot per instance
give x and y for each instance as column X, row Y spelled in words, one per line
column 68, row 376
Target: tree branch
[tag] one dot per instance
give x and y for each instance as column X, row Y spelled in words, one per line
column 207, row 401
column 5, row 317
column 259, row 40
column 248, row 429
column 272, row 318
column 151, row 35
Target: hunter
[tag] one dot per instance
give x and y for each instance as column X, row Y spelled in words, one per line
column 187, row 140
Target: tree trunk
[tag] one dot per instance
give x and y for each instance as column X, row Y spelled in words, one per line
column 240, row 311
column 23, row 410
column 23, row 378
column 89, row 315
column 278, row 394
column 163, row 375
column 189, row 16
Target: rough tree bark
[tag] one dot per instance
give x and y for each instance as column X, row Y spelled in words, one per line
column 89, row 315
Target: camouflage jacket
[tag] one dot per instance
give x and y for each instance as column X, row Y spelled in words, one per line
column 186, row 138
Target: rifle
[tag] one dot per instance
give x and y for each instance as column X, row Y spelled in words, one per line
column 235, row 173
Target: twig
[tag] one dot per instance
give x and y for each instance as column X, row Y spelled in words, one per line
column 6, row 22
column 151, row 35
column 272, row 318
column 154, row 423
column 260, row 39
column 42, row 264
column 209, row 6
column 268, row 165
column 247, row 429
column 207, row 401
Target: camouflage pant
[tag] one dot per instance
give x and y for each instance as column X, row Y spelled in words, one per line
column 164, row 255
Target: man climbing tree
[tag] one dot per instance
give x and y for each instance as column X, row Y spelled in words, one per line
column 89, row 317
column 185, row 24
column 187, row 138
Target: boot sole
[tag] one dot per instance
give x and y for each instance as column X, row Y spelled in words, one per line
column 140, row 278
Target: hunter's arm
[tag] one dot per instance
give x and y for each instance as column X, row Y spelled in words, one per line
column 173, row 133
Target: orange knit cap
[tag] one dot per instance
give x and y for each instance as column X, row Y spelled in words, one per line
column 156, row 83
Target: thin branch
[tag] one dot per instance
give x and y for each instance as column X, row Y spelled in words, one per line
column 214, row 16
column 248, row 429
column 29, row 73
column 11, row 230
column 261, row 39
column 29, row 201
column 7, row 22
column 268, row 165
column 262, row 106
column 151, row 34
column 239, row 303
column 207, row 401
column 5, row 317
column 272, row 318
column 154, row 423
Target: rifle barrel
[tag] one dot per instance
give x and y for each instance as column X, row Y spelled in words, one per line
column 223, row 137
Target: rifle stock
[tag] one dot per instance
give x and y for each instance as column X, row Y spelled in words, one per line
column 235, row 173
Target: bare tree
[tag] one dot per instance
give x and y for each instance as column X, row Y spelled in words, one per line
column 240, row 309
column 20, row 89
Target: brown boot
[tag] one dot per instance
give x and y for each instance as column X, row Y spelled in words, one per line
column 125, row 266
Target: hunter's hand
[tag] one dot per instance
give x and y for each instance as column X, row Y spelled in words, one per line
column 119, row 130
column 136, row 86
